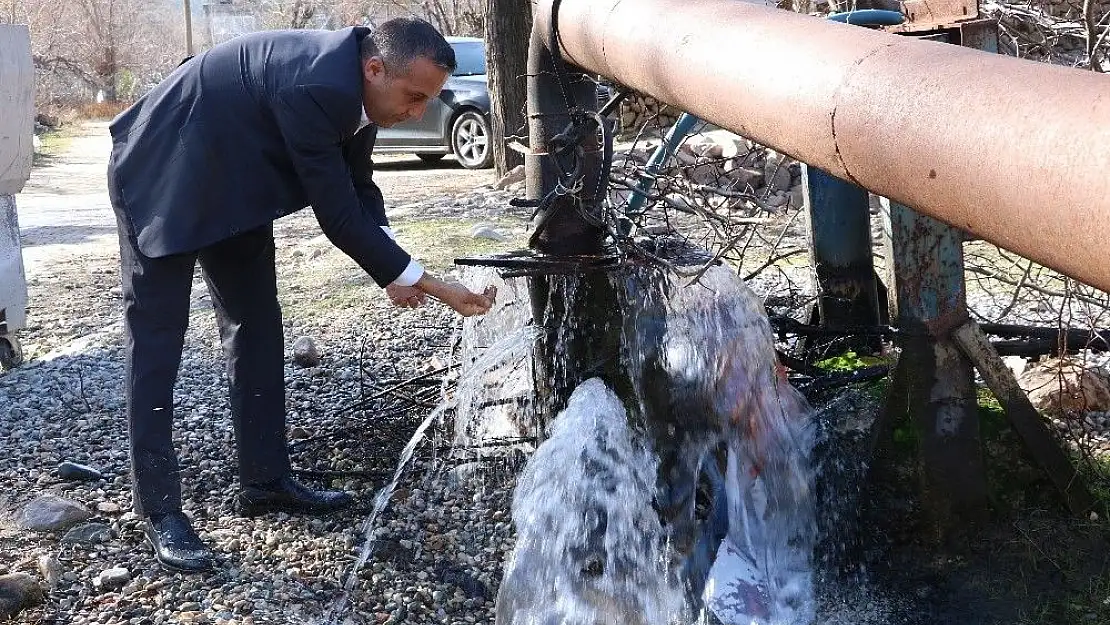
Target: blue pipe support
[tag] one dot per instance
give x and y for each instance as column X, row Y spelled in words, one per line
column 662, row 154
column 840, row 250
column 840, row 229
column 869, row 17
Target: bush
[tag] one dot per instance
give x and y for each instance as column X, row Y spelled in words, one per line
column 101, row 110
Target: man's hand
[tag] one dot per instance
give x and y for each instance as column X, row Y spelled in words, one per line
column 466, row 302
column 458, row 297
column 405, row 296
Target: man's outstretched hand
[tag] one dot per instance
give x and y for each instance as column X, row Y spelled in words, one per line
column 458, row 297
column 464, row 301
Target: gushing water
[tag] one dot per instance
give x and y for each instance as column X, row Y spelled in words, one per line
column 685, row 491
column 694, row 490
column 590, row 547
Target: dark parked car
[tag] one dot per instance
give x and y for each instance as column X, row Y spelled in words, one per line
column 457, row 122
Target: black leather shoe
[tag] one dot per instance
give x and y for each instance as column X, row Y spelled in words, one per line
column 176, row 546
column 288, row 495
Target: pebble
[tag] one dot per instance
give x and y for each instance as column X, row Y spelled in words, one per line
column 486, row 231
column 305, row 352
column 88, row 534
column 113, row 578
column 78, row 472
column 50, row 569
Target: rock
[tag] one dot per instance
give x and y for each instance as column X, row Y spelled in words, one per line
column 706, row 147
column 50, row 513
column 112, row 579
column 50, row 569
column 776, row 173
column 88, row 534
column 797, row 196
column 685, row 155
column 1066, row 385
column 18, row 591
column 305, row 352
column 74, row 472
column 486, row 231
column 705, row 173
column 640, row 155
column 739, row 149
column 725, row 144
column 298, row 433
column 778, row 199
column 515, row 175
column 742, row 177
column 107, row 507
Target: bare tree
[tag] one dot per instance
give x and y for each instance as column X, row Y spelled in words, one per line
column 82, row 48
column 451, row 17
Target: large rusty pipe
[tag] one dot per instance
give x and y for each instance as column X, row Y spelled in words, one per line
column 1016, row 152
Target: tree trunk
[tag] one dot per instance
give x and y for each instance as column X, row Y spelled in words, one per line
column 110, row 74
column 508, row 24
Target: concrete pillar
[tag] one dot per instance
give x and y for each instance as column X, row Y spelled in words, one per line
column 17, row 101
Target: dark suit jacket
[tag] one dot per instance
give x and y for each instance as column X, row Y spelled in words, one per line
column 249, row 131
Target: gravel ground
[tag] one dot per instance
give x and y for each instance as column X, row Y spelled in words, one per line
column 438, row 551
column 68, row 406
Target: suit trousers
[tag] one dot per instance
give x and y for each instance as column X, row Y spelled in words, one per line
column 241, row 279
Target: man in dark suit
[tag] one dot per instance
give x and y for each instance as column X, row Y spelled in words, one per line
column 249, row 131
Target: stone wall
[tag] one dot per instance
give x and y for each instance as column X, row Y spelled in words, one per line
column 638, row 109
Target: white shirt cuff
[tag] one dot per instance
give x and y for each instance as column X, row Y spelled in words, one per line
column 412, row 273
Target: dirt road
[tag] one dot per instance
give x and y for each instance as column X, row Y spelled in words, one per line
column 64, row 210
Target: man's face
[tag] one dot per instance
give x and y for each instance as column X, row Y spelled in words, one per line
column 401, row 93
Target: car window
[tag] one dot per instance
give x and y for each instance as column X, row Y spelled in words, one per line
column 470, row 57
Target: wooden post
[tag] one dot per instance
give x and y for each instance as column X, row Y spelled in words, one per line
column 1024, row 417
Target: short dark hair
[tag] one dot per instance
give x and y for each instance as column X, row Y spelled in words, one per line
column 401, row 40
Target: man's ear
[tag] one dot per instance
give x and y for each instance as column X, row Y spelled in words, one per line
column 373, row 68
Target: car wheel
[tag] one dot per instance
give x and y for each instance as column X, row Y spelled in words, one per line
column 470, row 140
column 431, row 158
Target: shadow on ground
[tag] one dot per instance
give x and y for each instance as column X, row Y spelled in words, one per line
column 52, row 235
column 1030, row 562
